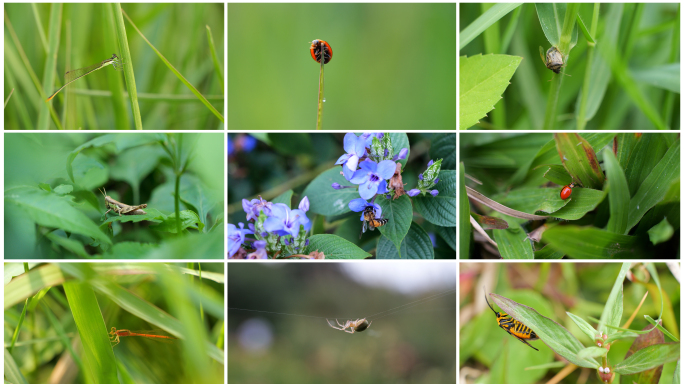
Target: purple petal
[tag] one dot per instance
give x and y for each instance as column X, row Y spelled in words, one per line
column 386, row 169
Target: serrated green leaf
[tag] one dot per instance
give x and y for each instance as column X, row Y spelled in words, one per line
column 335, row 247
column 49, row 210
column 441, row 209
column 482, row 81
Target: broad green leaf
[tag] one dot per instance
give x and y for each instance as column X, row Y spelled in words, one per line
column 416, row 245
column 49, row 210
column 443, row 147
column 493, row 14
column 551, row 333
column 327, row 201
column 335, row 247
column 618, row 194
column 664, row 76
column 655, row 186
column 592, row 243
column 612, row 312
column 482, row 81
column 399, row 215
column 647, row 358
column 464, row 226
column 440, row 209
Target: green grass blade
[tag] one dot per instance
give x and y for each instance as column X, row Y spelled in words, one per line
column 217, row 66
column 483, row 22
column 177, row 73
column 128, row 66
column 97, row 349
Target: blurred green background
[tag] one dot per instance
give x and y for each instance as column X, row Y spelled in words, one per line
column 417, row 344
column 393, row 66
column 133, row 296
column 134, row 169
column 553, row 289
column 87, row 37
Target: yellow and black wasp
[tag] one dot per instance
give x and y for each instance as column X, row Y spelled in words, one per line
column 370, row 221
column 515, row 328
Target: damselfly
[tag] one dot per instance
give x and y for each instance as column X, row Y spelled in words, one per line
column 76, row 74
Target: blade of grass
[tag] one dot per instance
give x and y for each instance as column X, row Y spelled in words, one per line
column 176, row 72
column 97, row 349
column 128, row 66
column 217, row 65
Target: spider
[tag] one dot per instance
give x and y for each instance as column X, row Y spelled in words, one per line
column 358, row 325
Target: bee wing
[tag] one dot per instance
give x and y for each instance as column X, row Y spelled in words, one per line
column 541, row 53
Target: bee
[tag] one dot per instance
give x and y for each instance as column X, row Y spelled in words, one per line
column 515, row 328
column 370, row 221
column 553, row 60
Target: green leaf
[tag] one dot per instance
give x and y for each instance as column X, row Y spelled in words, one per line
column 325, row 200
column 551, row 17
column 399, row 215
column 583, row 326
column 444, row 147
column 285, row 198
column 559, row 339
column 647, row 358
column 493, row 14
column 335, row 247
column 50, row 210
column 513, row 242
column 655, row 186
column 612, row 312
column 593, row 243
column 482, row 81
column 440, row 209
column 661, row 232
column 618, row 194
column 416, row 245
column 97, row 349
column 664, row 76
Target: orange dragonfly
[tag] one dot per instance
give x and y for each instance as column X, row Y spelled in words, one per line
column 114, row 335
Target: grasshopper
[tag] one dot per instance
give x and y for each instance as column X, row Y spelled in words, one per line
column 121, row 208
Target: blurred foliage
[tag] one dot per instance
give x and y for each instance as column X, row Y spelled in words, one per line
column 553, row 289
column 641, row 41
column 393, row 66
column 87, row 35
column 279, row 162
column 40, row 352
column 526, row 172
column 414, row 345
column 50, row 215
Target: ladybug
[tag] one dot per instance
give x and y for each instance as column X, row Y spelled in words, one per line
column 566, row 191
column 318, row 47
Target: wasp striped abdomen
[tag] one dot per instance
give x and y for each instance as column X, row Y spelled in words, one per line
column 514, row 328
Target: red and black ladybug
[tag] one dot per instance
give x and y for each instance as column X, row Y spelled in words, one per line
column 318, row 47
column 566, row 191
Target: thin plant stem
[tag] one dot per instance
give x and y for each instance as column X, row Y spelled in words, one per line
column 319, row 122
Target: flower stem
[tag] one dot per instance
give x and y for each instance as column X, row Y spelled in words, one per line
column 319, row 121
